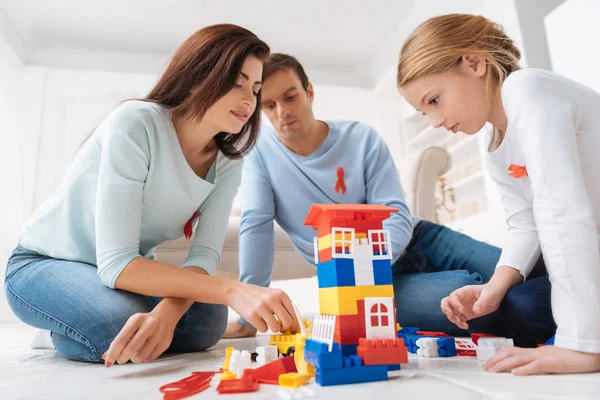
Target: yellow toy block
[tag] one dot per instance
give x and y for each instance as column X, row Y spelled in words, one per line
column 325, row 241
column 283, row 341
column 228, row 352
column 227, row 375
column 373, row 291
column 307, row 327
column 293, row 379
column 339, row 300
column 302, row 365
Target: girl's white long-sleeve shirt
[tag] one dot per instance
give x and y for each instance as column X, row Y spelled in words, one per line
column 547, row 169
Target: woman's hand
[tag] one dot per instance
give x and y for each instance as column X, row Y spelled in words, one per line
column 264, row 308
column 144, row 337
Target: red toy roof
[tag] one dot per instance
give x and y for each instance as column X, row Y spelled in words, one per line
column 328, row 211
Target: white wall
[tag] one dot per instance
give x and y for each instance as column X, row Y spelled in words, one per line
column 574, row 41
column 11, row 198
column 73, row 103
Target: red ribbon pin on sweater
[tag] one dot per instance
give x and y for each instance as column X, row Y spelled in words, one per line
column 188, row 228
column 340, row 185
column 517, row 171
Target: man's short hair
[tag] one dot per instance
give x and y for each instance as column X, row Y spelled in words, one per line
column 279, row 61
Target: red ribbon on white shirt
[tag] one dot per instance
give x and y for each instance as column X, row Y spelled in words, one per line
column 518, row 171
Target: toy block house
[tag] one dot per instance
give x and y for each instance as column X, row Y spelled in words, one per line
column 357, row 318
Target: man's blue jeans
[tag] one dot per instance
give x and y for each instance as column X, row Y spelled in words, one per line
column 84, row 316
column 439, row 260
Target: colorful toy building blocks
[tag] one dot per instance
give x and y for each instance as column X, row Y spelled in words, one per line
column 355, row 288
column 438, row 345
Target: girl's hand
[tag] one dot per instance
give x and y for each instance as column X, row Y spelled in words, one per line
column 543, row 360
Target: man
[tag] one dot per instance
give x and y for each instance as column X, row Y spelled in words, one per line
column 302, row 161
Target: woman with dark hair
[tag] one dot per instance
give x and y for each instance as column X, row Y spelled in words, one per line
column 85, row 269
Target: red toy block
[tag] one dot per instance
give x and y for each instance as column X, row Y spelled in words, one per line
column 359, row 226
column 324, row 228
column 188, row 386
column 362, row 329
column 269, row 373
column 429, row 333
column 475, row 337
column 345, row 322
column 325, row 255
column 346, row 336
column 322, row 213
column 243, row 385
column 465, row 348
column 347, row 329
column 382, row 351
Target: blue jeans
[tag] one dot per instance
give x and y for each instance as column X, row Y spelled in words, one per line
column 84, row 316
column 439, row 260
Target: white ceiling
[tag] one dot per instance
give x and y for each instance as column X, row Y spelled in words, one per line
column 340, row 42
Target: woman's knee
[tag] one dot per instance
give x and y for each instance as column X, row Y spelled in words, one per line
column 75, row 349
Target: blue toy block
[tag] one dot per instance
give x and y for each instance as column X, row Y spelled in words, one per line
column 336, row 272
column 382, row 272
column 355, row 374
column 447, row 347
column 349, row 350
column 550, row 341
column 352, row 361
column 393, row 367
column 410, row 341
column 318, row 354
column 407, row 331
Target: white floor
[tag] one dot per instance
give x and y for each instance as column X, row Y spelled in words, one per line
column 42, row 374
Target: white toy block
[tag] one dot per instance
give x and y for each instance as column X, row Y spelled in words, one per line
column 379, row 318
column 488, row 347
column 266, row 354
column 485, row 353
column 235, row 362
column 428, row 347
column 363, row 251
column 364, row 278
column 245, row 361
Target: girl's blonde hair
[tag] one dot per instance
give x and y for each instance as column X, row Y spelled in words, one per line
column 439, row 43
